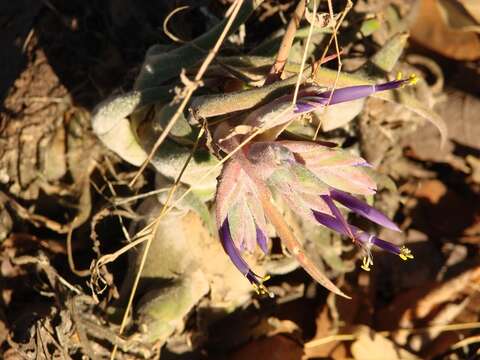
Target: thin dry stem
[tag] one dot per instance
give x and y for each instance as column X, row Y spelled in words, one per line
column 286, row 44
column 71, row 262
column 151, row 237
column 167, row 19
column 143, row 234
column 190, row 87
column 126, row 200
column 348, row 6
column 304, row 58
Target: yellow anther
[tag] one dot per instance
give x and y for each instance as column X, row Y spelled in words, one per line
column 261, row 289
column 365, row 268
column 412, row 80
column 405, row 253
column 367, row 261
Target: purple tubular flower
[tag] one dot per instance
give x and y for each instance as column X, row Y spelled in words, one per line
column 237, row 260
column 363, row 209
column 262, row 241
column 364, row 239
column 385, row 245
column 349, row 93
column 346, row 228
column 330, row 222
column 231, row 249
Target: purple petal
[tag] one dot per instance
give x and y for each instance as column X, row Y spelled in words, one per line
column 330, row 222
column 338, row 215
column 392, row 84
column 385, row 245
column 363, row 237
column 356, row 92
column 231, row 249
column 348, row 93
column 302, row 107
column 363, row 209
column 262, row 241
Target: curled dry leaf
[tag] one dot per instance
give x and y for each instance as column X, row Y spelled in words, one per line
column 460, row 113
column 459, row 16
column 322, row 345
column 372, row 346
column 431, row 31
column 436, row 304
column 278, row 347
column 448, row 291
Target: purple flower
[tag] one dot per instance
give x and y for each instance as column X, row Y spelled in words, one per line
column 312, row 100
column 364, row 239
column 317, row 180
column 234, row 254
column 241, row 220
column 313, row 180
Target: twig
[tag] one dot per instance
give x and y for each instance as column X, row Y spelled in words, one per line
column 302, row 66
column 146, row 231
column 348, row 6
column 36, row 219
column 126, row 200
column 465, row 342
column 304, row 58
column 286, row 44
column 167, row 19
column 190, row 87
column 71, row 263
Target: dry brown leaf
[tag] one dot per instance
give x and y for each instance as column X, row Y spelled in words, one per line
column 340, row 313
column 429, row 307
column 432, row 199
column 473, row 8
column 445, row 292
column 277, row 347
column 372, row 346
column 458, row 17
column 474, row 163
column 273, row 326
column 460, row 112
column 333, row 349
column 471, row 235
column 431, row 31
column 432, row 190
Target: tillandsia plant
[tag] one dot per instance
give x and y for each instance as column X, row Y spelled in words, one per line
column 311, row 178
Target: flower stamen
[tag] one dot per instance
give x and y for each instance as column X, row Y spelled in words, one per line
column 366, row 263
column 368, row 259
column 405, row 253
column 412, row 79
column 258, row 286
